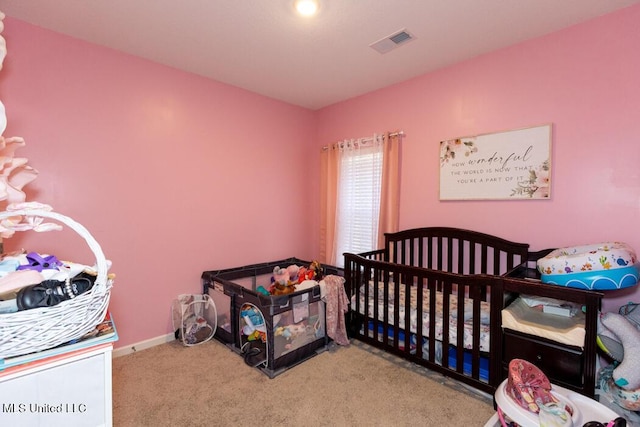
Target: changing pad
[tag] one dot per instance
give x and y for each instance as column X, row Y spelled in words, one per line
column 519, row 316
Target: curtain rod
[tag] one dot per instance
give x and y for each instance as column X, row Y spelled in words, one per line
column 369, row 139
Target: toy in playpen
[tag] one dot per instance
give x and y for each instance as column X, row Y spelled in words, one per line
column 254, row 327
column 253, row 336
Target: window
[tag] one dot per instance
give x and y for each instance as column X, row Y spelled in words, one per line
column 358, row 198
column 359, row 195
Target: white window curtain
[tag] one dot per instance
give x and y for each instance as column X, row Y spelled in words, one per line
column 358, row 195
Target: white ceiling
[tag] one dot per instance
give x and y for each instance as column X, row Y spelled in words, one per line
column 264, row 47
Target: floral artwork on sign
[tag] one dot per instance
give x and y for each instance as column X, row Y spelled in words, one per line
column 506, row 165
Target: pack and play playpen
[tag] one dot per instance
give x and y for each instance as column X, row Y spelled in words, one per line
column 272, row 332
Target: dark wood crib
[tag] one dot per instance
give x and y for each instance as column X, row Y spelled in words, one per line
column 434, row 296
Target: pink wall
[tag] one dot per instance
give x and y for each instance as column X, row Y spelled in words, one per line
column 175, row 174
column 584, row 80
column 172, row 173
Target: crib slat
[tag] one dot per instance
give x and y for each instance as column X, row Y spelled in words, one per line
column 461, row 256
column 471, row 264
column 420, row 283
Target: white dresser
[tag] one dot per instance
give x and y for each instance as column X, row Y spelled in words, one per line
column 72, row 389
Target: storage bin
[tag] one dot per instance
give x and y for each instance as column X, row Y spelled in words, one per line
column 41, row 328
column 194, row 318
column 273, row 333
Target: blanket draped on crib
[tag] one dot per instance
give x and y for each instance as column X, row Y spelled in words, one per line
column 333, row 294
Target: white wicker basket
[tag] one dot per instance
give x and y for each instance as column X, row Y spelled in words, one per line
column 38, row 329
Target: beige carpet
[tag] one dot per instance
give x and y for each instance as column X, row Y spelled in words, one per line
column 210, row 385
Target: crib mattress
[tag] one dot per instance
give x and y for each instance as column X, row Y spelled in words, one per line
column 453, row 310
column 521, row 317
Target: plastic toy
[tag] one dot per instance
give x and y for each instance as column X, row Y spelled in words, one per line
column 601, row 266
column 261, row 289
column 254, row 327
column 527, row 399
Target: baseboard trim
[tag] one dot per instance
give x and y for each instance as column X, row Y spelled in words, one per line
column 142, row 345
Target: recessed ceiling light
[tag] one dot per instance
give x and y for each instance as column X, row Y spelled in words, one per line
column 307, row 7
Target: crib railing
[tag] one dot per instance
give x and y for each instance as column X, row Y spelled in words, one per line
column 454, row 250
column 436, row 342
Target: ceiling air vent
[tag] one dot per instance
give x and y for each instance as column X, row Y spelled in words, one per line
column 393, row 41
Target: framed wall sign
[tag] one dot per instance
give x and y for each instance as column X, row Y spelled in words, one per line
column 508, row 165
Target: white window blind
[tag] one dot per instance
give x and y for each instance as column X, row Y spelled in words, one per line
column 358, row 204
